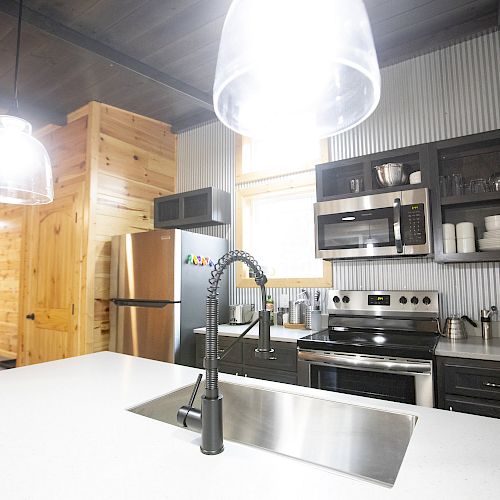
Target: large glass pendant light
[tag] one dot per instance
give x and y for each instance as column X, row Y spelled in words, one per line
column 25, row 169
column 296, row 66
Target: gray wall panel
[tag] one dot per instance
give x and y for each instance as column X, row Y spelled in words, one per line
column 464, row 288
column 448, row 93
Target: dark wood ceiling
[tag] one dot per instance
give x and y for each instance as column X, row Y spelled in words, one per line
column 158, row 57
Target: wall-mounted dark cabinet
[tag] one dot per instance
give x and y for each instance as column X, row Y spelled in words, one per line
column 242, row 361
column 333, row 179
column 460, row 170
column 469, row 386
column 203, row 207
column 472, row 160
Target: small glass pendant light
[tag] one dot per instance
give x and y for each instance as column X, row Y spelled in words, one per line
column 25, row 169
column 291, row 67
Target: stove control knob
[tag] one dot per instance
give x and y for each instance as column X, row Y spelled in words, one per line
column 403, row 300
column 346, row 299
column 336, row 299
column 426, row 301
column 414, row 300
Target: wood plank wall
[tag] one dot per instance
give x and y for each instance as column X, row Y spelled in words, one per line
column 67, row 148
column 136, row 163
column 121, row 161
column 11, row 224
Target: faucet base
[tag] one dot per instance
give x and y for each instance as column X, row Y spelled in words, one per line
column 212, row 442
column 205, row 452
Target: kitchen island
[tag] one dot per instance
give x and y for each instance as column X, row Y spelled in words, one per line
column 65, row 434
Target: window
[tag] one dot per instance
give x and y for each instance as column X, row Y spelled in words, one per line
column 275, row 222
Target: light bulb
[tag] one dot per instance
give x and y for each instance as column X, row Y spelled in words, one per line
column 25, row 169
column 294, row 66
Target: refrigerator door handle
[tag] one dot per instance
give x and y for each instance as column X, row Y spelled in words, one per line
column 143, row 303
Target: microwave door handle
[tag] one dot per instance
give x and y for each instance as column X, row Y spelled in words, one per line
column 397, row 225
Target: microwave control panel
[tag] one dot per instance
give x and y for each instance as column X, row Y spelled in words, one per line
column 413, row 224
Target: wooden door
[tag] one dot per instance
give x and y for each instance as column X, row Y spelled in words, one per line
column 50, row 301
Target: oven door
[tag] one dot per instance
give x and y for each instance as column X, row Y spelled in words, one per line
column 391, row 379
column 373, row 226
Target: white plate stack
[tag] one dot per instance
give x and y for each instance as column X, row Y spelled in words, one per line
column 466, row 242
column 449, row 240
column 491, row 240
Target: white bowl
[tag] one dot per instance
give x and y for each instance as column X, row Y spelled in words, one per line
column 416, row 177
column 492, row 234
column 448, row 231
column 450, row 246
column 486, row 245
column 465, row 230
column 466, row 245
column 492, row 222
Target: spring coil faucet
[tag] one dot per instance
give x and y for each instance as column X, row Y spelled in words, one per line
column 208, row 420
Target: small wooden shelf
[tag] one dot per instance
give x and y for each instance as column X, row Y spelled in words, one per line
column 466, row 199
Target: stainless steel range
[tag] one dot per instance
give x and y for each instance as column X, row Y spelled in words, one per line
column 378, row 344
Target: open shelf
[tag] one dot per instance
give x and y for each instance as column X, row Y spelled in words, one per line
column 333, row 178
column 473, row 198
column 473, row 157
column 469, row 257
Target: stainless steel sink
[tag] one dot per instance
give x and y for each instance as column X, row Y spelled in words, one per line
column 360, row 441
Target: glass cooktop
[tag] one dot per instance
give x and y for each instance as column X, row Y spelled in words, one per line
column 384, row 343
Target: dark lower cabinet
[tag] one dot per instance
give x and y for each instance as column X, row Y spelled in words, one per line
column 469, row 386
column 242, row 361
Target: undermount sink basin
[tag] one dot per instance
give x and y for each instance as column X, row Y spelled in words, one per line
column 360, row 441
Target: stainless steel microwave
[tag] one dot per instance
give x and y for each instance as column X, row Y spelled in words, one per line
column 378, row 225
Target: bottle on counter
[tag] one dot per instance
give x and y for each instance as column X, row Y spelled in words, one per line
column 270, row 307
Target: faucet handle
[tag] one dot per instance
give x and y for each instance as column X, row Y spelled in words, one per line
column 188, row 411
column 195, row 390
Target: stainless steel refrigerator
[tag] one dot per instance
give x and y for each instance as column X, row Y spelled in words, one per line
column 159, row 283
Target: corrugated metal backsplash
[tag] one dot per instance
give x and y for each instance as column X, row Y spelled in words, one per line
column 447, row 93
column 464, row 288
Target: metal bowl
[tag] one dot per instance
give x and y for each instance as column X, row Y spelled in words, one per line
column 391, row 174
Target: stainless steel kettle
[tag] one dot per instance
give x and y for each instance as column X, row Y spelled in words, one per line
column 454, row 328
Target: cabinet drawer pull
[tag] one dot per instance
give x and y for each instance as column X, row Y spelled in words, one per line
column 491, row 384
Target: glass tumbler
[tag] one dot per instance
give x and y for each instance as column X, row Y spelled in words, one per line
column 457, row 184
column 478, row 186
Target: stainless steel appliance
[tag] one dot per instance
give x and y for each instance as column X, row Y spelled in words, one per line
column 378, row 225
column 486, row 322
column 241, row 314
column 454, row 327
column 159, row 283
column 378, row 344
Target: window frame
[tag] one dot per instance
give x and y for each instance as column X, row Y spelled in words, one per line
column 242, row 177
column 244, row 196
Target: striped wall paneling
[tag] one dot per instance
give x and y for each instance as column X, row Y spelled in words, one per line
column 447, row 93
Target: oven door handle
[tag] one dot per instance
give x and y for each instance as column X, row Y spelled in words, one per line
column 397, row 225
column 369, row 364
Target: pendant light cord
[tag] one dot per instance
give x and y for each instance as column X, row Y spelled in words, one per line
column 18, row 47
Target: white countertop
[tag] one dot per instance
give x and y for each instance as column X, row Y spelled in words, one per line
column 472, row 347
column 278, row 333
column 65, row 434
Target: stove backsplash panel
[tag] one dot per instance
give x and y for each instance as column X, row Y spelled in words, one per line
column 463, row 288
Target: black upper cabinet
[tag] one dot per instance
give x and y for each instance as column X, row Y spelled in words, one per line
column 473, row 158
column 333, row 179
column 203, row 207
